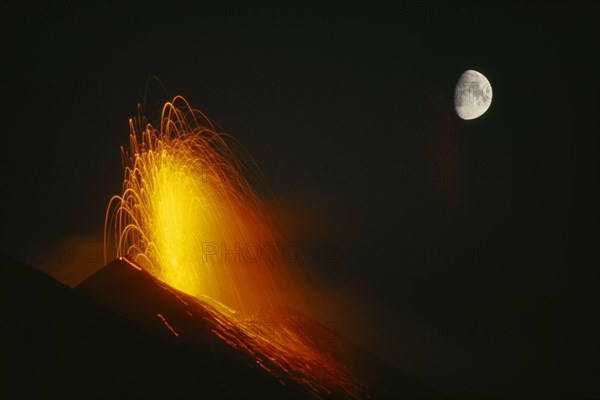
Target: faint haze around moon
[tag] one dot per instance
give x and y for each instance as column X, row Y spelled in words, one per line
column 472, row 95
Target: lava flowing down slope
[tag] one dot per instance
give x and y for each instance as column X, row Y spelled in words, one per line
column 304, row 358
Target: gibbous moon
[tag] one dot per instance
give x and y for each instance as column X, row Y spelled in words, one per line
column 472, row 95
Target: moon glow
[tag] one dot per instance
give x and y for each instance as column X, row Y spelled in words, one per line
column 472, row 95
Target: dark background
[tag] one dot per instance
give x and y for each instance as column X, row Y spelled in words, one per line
column 460, row 251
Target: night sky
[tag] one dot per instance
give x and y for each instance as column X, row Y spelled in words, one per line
column 460, row 251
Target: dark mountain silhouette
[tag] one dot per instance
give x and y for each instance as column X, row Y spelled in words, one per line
column 124, row 334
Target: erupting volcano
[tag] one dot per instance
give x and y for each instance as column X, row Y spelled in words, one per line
column 199, row 294
column 190, row 217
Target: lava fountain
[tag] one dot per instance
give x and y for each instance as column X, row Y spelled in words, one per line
column 189, row 215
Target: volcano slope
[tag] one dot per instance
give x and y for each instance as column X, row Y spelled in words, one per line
column 124, row 334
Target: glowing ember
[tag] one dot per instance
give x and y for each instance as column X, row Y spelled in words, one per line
column 188, row 216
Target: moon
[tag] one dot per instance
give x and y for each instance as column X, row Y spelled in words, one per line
column 472, row 95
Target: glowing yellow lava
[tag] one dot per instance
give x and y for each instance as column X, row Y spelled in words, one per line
column 188, row 215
